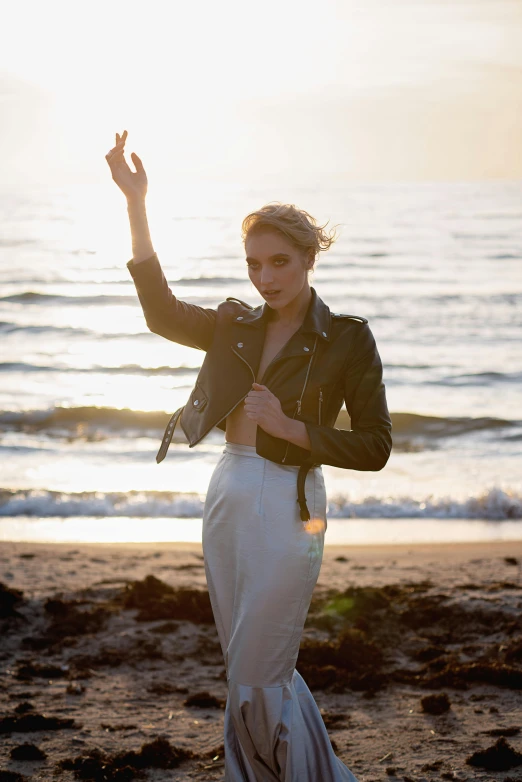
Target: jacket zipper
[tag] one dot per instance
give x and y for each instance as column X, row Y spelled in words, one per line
column 320, row 404
column 297, row 410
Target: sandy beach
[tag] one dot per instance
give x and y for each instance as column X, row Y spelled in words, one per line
column 112, row 670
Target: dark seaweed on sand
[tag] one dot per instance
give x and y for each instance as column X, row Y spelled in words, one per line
column 10, row 600
column 28, row 723
column 67, row 621
column 11, row 776
column 99, row 766
column 499, row 757
column 27, row 752
column 156, row 600
column 204, row 700
column 373, row 629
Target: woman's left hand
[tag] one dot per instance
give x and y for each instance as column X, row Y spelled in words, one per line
column 265, row 409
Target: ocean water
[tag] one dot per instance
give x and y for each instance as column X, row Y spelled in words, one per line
column 86, row 390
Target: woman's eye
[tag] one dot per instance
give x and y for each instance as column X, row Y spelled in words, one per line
column 280, row 262
column 252, row 265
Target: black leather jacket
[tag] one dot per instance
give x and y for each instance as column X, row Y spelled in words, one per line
column 330, row 359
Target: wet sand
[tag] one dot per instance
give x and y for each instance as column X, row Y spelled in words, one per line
column 112, row 670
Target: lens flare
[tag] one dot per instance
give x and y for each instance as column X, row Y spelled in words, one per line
column 313, row 526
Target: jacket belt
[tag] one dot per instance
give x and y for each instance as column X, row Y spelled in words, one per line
column 167, row 437
column 301, row 497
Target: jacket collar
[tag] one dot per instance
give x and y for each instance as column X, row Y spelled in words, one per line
column 316, row 321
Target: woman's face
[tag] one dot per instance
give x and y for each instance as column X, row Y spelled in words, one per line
column 277, row 269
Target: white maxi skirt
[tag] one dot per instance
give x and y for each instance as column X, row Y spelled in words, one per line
column 262, row 563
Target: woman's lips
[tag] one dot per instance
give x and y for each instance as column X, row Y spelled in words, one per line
column 270, row 294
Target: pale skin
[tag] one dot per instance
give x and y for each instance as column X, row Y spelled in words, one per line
column 277, row 269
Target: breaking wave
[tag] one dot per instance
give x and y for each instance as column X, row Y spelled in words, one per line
column 494, row 504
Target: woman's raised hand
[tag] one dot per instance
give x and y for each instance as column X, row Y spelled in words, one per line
column 132, row 184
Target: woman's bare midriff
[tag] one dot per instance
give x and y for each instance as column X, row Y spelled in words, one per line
column 240, row 429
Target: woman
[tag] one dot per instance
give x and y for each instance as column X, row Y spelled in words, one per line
column 274, row 379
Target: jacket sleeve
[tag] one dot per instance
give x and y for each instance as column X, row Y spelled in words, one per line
column 167, row 315
column 367, row 445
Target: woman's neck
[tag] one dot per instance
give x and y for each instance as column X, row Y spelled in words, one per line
column 294, row 313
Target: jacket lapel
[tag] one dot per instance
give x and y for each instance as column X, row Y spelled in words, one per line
column 248, row 333
column 248, row 343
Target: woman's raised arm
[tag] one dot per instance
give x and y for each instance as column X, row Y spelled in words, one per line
column 141, row 242
column 165, row 315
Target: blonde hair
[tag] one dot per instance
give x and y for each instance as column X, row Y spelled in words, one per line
column 299, row 227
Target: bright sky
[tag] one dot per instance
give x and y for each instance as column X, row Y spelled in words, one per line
column 378, row 90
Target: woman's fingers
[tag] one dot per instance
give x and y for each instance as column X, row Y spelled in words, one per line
column 120, row 141
column 137, row 162
column 259, row 392
column 254, row 400
column 116, row 155
column 114, row 152
column 256, row 404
